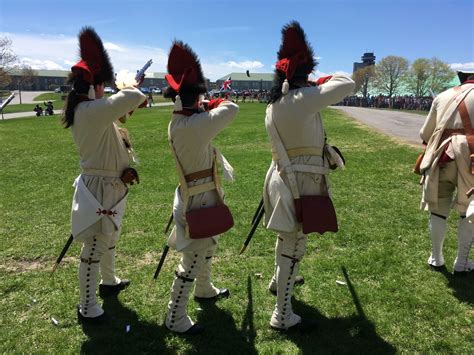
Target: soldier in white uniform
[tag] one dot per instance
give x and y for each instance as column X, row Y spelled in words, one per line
column 448, row 170
column 301, row 160
column 191, row 131
column 99, row 199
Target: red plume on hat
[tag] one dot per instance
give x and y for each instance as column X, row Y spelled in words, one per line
column 94, row 65
column 295, row 55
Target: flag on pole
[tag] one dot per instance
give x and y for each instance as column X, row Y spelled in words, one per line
column 226, row 85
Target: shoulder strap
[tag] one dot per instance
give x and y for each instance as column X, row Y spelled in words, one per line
column 186, row 191
column 284, row 160
column 466, row 122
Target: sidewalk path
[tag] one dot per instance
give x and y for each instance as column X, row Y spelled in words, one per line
column 399, row 124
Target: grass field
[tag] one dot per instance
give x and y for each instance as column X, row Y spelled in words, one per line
column 392, row 303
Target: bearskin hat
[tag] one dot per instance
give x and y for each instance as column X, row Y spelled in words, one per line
column 295, row 56
column 94, row 66
column 463, row 75
column 185, row 75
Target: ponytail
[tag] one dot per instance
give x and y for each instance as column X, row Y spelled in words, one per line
column 68, row 116
column 79, row 88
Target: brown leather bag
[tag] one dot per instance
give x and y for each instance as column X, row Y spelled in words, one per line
column 316, row 213
column 208, row 222
column 416, row 168
column 130, row 175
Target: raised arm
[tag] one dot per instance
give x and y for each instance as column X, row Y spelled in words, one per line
column 332, row 91
column 210, row 123
column 111, row 108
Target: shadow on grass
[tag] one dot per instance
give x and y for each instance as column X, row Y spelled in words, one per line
column 143, row 337
column 222, row 332
column 461, row 285
column 354, row 334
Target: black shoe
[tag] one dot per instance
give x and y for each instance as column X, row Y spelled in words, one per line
column 305, row 326
column 223, row 293
column 107, row 291
column 102, row 319
column 196, row 329
column 299, row 280
column 441, row 268
column 462, row 273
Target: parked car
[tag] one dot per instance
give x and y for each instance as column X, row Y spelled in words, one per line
column 108, row 90
column 145, row 90
column 57, row 90
column 156, row 91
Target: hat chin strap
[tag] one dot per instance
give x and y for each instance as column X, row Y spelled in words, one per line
column 178, row 105
column 91, row 93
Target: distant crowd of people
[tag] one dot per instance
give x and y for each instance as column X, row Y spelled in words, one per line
column 406, row 102
column 242, row 96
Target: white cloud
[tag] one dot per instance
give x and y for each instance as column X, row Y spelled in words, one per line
column 41, row 64
column 60, row 52
column 245, row 65
column 463, row 66
column 113, row 47
column 69, row 63
column 319, row 74
column 216, row 71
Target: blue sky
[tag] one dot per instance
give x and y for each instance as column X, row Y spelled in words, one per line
column 239, row 35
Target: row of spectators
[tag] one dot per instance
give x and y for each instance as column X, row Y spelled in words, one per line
column 395, row 102
column 244, row 96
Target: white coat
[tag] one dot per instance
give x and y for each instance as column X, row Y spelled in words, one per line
column 298, row 121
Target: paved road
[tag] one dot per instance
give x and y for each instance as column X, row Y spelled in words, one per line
column 26, row 97
column 9, row 116
column 402, row 125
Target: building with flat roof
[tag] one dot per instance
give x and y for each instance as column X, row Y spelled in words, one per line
column 240, row 81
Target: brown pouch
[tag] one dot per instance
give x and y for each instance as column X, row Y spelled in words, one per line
column 209, row 222
column 316, row 213
column 129, row 176
column 416, row 168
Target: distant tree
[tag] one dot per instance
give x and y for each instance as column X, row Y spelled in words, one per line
column 418, row 77
column 28, row 76
column 390, row 74
column 8, row 60
column 441, row 75
column 363, row 79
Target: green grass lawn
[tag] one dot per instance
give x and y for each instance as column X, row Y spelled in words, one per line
column 53, row 96
column 392, row 303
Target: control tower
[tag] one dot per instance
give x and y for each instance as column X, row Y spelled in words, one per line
column 367, row 59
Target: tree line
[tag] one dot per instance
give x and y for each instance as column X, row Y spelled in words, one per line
column 9, row 63
column 393, row 75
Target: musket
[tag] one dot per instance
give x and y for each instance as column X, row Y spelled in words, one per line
column 63, row 252
column 256, row 221
column 165, row 250
column 169, row 224
column 142, row 71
